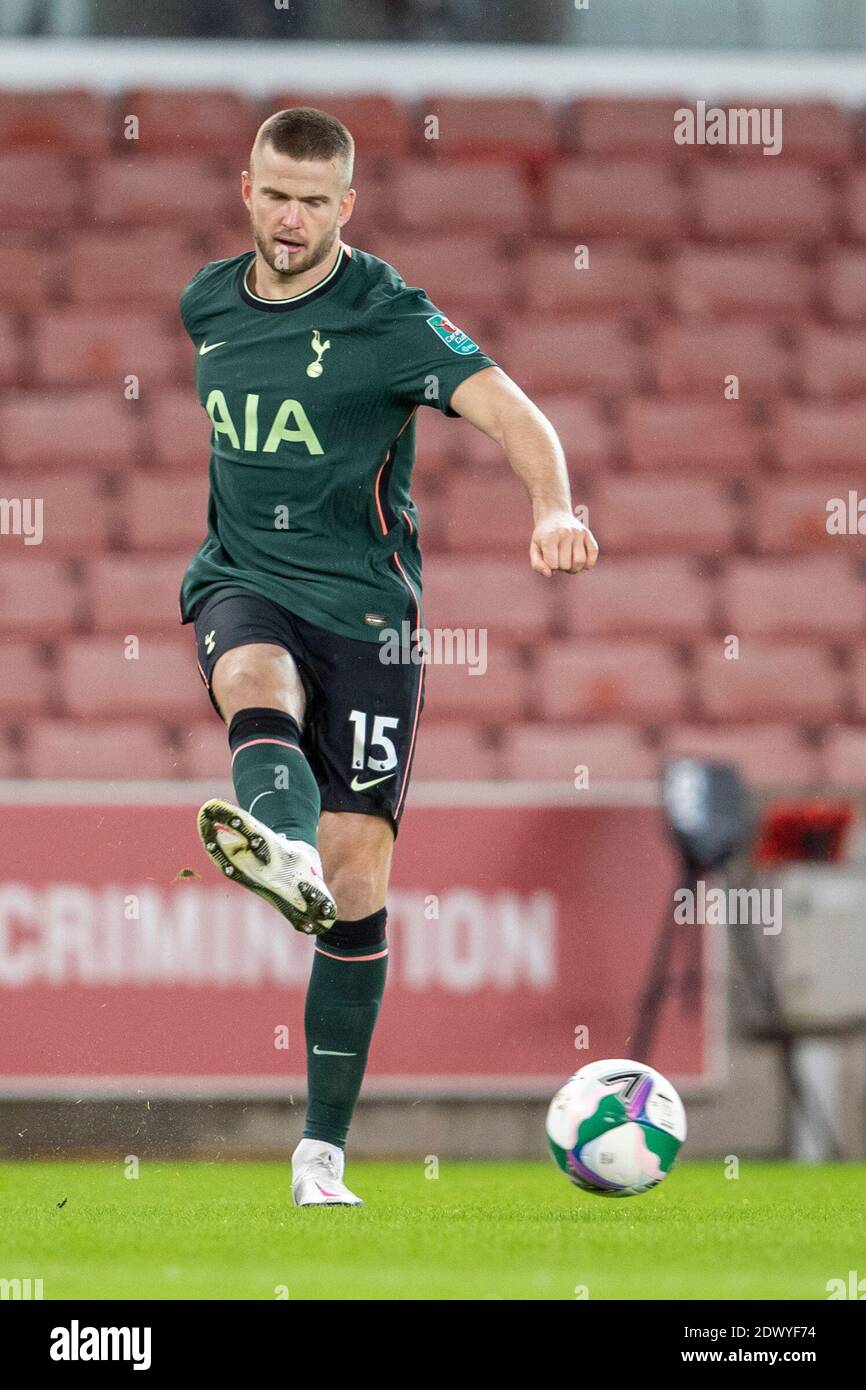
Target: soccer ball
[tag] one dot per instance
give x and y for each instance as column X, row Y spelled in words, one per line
column 615, row 1128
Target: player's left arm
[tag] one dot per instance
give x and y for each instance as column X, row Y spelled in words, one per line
column 495, row 404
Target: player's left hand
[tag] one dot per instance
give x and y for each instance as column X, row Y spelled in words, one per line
column 561, row 542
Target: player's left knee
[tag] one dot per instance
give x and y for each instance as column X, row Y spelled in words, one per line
column 358, row 888
column 356, row 857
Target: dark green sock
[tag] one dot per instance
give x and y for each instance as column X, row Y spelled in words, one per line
column 343, row 998
column 271, row 775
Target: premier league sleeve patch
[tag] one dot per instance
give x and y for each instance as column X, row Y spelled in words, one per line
column 451, row 336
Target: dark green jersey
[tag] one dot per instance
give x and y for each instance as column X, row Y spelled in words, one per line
column 312, row 402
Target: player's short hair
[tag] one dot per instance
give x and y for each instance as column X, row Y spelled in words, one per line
column 305, row 133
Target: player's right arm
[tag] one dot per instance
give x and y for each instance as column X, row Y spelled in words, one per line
column 495, row 404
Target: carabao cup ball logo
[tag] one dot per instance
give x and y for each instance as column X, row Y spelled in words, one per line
column 451, row 335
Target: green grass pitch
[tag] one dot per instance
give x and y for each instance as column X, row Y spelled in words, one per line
column 489, row 1231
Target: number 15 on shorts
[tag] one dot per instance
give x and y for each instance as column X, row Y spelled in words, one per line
column 364, row 754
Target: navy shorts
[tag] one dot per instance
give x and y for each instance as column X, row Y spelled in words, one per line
column 362, row 714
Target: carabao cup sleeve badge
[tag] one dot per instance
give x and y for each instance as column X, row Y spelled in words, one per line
column 453, row 337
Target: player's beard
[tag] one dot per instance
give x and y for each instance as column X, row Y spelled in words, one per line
column 295, row 265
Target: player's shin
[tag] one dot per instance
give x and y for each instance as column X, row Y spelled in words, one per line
column 343, row 998
column 272, row 779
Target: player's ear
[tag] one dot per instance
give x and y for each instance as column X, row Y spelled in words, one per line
column 347, row 204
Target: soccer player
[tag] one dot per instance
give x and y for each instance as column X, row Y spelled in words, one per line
column 312, row 358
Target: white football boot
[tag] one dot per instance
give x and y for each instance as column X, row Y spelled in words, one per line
column 287, row 873
column 317, row 1176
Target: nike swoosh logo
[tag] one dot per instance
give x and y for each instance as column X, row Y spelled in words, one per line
column 209, row 347
column 323, row 1052
column 362, row 786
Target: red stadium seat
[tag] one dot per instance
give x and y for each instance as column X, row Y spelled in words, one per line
column 690, row 434
column 11, row 352
column 477, row 197
column 808, row 435
column 179, row 431
column 97, row 680
column 202, row 750
column 609, row 752
column 769, row 681
column 438, row 440
column 186, row 121
column 235, row 239
column 63, row 121
column 487, row 515
column 134, row 594
column 380, row 125
column 816, row 134
column 700, row 357
column 619, row 680
column 28, row 681
column 819, row 595
column 621, row 127
column 483, row 127
column 498, row 696
column 767, row 755
column 842, row 281
column 764, row 203
column 88, row 429
column 178, row 191
column 38, row 190
column 586, row 437
column 858, row 671
column 490, row 594
column 615, row 280
column 472, row 274
column 791, row 516
column 99, row 264
column 574, row 355
column 844, row 757
column 73, row 748
column 470, row 451
column 588, row 198
column 455, row 752
column 28, row 275
column 77, row 516
column 854, row 204
column 38, row 597
column 683, row 515
column 10, row 756
column 588, row 440
column 92, row 346
column 832, row 361
column 165, row 512
column 741, row 283
column 663, row 596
